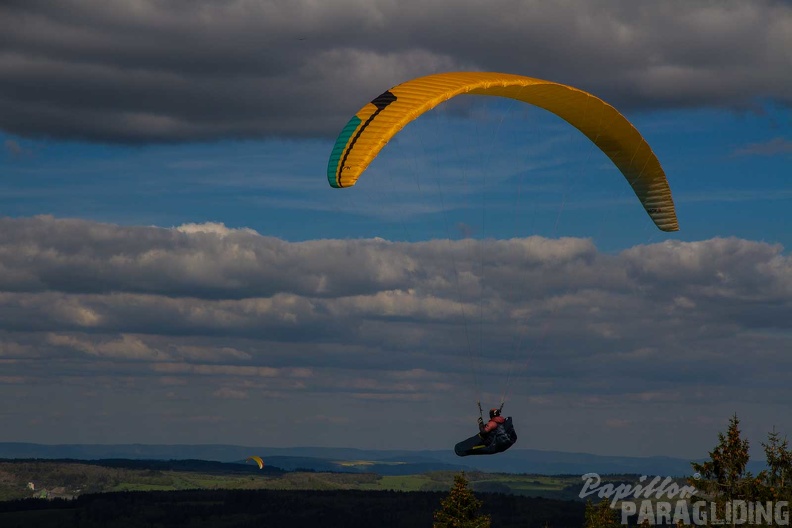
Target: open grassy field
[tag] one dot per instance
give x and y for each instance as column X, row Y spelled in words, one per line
column 60, row 479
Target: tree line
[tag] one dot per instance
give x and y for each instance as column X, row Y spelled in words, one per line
column 729, row 494
column 257, row 508
column 721, row 481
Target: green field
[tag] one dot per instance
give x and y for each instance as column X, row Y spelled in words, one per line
column 53, row 479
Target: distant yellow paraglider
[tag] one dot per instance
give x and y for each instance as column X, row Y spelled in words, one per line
column 257, row 460
column 377, row 122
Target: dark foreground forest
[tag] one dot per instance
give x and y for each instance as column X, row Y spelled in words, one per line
column 258, row 508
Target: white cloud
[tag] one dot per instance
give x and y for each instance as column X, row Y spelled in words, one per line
column 354, row 325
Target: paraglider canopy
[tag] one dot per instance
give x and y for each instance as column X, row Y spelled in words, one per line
column 257, row 460
column 376, row 123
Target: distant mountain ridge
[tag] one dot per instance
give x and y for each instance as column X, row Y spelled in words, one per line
column 384, row 462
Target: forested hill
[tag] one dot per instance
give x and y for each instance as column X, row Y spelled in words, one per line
column 360, row 460
column 295, row 509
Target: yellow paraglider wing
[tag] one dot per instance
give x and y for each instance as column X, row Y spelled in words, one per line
column 257, row 460
column 376, row 123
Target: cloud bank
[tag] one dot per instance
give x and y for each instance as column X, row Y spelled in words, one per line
column 202, row 316
column 149, row 71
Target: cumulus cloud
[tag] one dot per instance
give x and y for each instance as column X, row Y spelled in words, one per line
column 146, row 71
column 127, row 347
column 217, row 301
column 203, row 316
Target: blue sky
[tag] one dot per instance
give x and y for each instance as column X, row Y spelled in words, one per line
column 722, row 164
column 192, row 263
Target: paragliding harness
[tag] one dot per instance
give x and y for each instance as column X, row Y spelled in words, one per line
column 498, row 441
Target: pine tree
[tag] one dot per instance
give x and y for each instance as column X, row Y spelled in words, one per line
column 601, row 515
column 723, row 478
column 777, row 478
column 460, row 508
